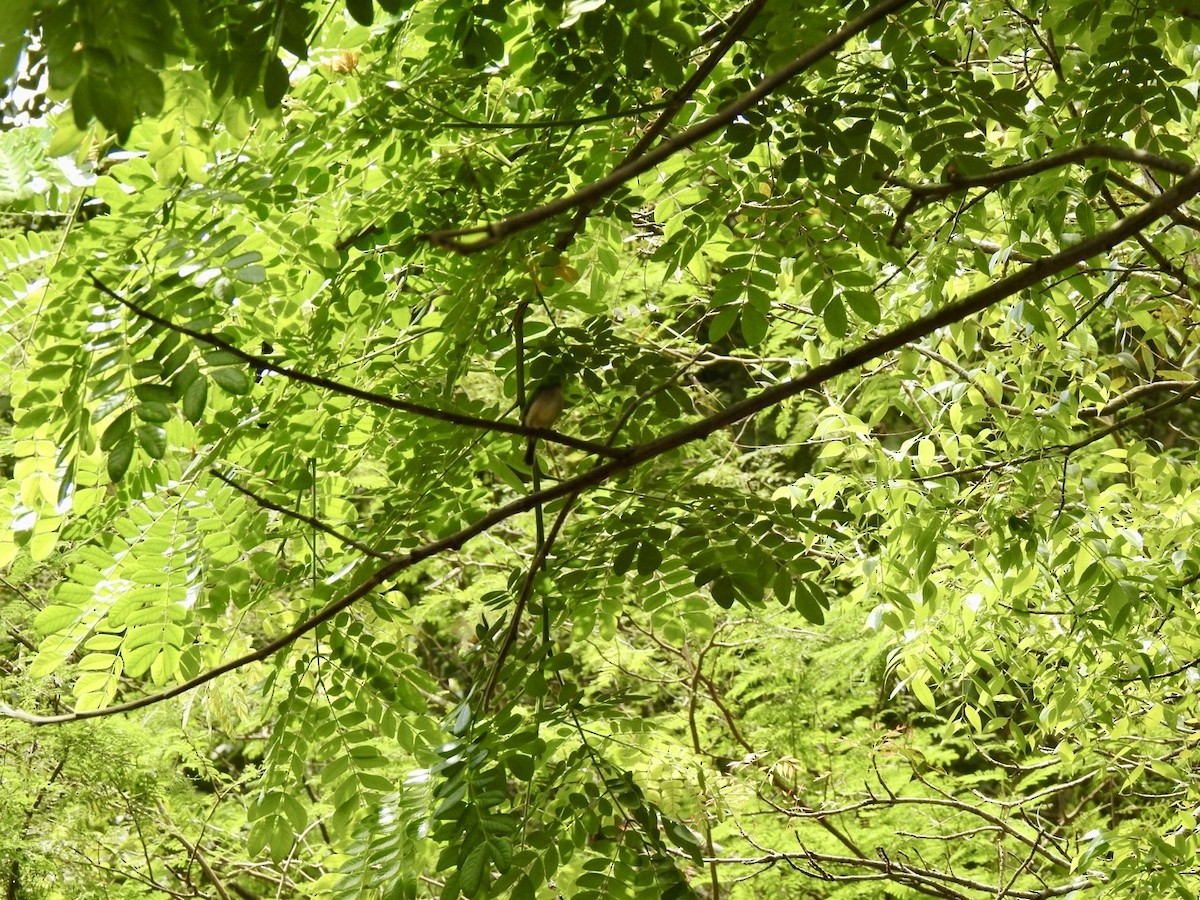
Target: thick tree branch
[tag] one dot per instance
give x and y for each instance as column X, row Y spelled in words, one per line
column 849, row 361
column 338, row 387
column 480, row 237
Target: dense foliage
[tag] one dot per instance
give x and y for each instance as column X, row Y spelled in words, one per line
column 861, row 563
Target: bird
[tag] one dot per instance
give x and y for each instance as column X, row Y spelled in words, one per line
column 545, row 406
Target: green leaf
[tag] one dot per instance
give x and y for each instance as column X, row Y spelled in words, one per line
column 754, row 326
column 231, row 380
column 683, row 838
column 120, row 455
column 153, row 440
column 14, row 27
column 723, row 591
column 865, row 306
column 362, row 11
column 834, row 316
column 809, row 601
column 521, row 766
column 921, row 691
column 195, row 395
column 471, row 866
column 251, row 274
column 720, row 324
column 154, row 412
column 649, row 558
column 623, row 561
column 275, row 82
column 116, row 430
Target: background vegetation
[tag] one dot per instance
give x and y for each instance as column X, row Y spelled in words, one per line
column 862, row 563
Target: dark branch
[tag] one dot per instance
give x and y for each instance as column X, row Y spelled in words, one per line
column 337, row 387
column 307, row 520
column 924, row 194
column 1132, row 395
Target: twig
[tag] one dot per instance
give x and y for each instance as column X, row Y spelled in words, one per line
column 307, row 520
column 328, row 384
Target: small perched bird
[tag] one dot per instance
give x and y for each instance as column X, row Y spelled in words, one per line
column 545, row 406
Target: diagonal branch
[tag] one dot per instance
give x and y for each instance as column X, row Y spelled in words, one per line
column 311, row 521
column 338, row 387
column 922, row 195
column 736, row 29
column 849, row 361
column 479, row 237
column 1132, row 395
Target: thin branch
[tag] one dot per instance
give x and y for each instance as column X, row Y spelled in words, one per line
column 510, row 635
column 1095, row 304
column 849, row 361
column 922, row 195
column 1165, row 265
column 1178, row 216
column 913, row 876
column 1131, row 396
column 1068, row 449
column 1170, row 673
column 194, row 851
column 546, row 543
column 481, row 237
column 670, row 110
column 337, row 387
column 462, row 122
column 307, row 520
column 966, row 376
column 953, row 836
